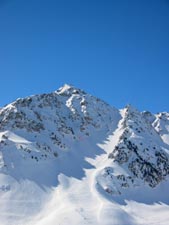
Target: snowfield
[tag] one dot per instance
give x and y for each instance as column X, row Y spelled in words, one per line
column 70, row 158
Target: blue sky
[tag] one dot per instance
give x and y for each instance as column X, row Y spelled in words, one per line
column 117, row 50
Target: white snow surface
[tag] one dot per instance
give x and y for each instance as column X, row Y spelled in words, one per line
column 54, row 153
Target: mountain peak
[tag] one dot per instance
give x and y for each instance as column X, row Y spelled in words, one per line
column 66, row 87
column 67, row 90
column 74, row 146
column 130, row 109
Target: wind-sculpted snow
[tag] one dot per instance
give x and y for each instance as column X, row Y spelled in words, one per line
column 68, row 157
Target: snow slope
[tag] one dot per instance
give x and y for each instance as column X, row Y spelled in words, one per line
column 68, row 157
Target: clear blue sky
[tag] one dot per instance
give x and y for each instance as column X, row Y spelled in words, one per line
column 117, row 50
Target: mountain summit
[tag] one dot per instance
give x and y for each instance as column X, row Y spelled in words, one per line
column 68, row 156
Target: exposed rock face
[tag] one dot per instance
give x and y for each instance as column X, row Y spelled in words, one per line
column 52, row 120
column 140, row 150
column 48, row 125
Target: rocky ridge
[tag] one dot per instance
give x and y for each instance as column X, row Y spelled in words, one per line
column 48, row 125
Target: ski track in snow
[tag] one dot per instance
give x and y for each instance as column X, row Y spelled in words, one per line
column 68, row 188
column 88, row 206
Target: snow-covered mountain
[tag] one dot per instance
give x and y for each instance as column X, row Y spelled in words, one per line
column 68, row 157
